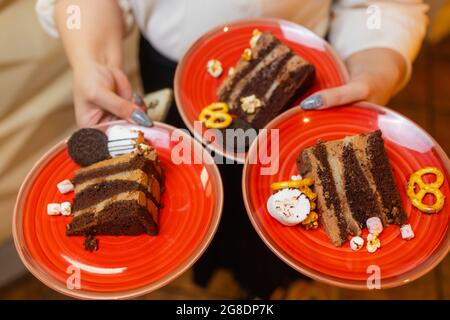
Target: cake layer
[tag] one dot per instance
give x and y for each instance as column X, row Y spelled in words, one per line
column 275, row 75
column 119, row 165
column 354, row 182
column 132, row 211
column 97, row 189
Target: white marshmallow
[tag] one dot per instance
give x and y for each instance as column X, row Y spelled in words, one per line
column 53, row 209
column 65, row 186
column 374, row 225
column 66, row 208
column 356, row 243
column 373, row 243
column 407, row 232
column 288, row 206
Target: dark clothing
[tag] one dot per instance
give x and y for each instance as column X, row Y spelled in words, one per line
column 236, row 245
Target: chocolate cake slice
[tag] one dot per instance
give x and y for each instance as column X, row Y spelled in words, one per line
column 354, row 182
column 274, row 75
column 118, row 196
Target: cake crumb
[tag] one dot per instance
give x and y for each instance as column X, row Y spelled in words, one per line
column 91, row 243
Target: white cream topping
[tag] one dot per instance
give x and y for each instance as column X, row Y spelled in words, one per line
column 121, row 138
column 289, row 206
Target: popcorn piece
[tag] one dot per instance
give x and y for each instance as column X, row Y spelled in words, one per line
column 214, row 68
column 296, row 178
column 407, row 232
column 53, row 209
column 374, row 225
column 65, row 186
column 356, row 243
column 373, row 243
column 250, row 104
column 247, row 54
column 231, row 71
column 256, row 35
column 66, row 208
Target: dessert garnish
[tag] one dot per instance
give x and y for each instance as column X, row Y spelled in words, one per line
column 356, row 243
column 247, row 54
column 65, row 186
column 416, row 179
column 122, row 140
column 374, row 225
column 216, row 116
column 53, row 209
column 292, row 184
column 87, row 146
column 288, row 206
column 255, row 37
column 308, row 219
column 311, row 221
column 373, row 243
column 214, row 68
column 407, row 232
column 66, row 208
column 250, row 104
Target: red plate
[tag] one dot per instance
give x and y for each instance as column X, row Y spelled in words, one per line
column 310, row 252
column 125, row 266
column 195, row 88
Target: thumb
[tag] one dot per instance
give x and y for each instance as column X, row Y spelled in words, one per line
column 348, row 93
column 122, row 108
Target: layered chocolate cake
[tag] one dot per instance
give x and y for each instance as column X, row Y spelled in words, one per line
column 118, row 196
column 354, row 182
column 265, row 81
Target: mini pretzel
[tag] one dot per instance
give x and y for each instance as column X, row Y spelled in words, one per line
column 215, row 116
column 426, row 188
column 296, row 184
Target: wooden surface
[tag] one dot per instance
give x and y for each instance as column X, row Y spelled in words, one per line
column 426, row 100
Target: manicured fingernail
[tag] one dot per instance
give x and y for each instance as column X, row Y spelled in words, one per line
column 137, row 100
column 141, row 118
column 312, row 103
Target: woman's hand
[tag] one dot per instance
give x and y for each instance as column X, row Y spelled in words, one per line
column 103, row 93
column 374, row 76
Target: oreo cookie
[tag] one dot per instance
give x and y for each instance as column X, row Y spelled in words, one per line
column 87, row 146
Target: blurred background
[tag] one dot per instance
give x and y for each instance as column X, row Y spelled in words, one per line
column 36, row 109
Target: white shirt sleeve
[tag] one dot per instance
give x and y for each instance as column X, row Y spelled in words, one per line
column 46, row 8
column 396, row 24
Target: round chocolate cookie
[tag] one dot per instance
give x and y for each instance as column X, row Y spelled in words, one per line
column 87, row 146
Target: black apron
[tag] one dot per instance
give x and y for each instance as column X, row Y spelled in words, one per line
column 236, row 245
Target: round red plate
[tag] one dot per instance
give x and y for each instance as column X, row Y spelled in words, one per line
column 195, row 88
column 125, row 266
column 409, row 148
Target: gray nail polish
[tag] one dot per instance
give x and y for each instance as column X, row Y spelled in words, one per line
column 141, row 118
column 137, row 100
column 312, row 103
